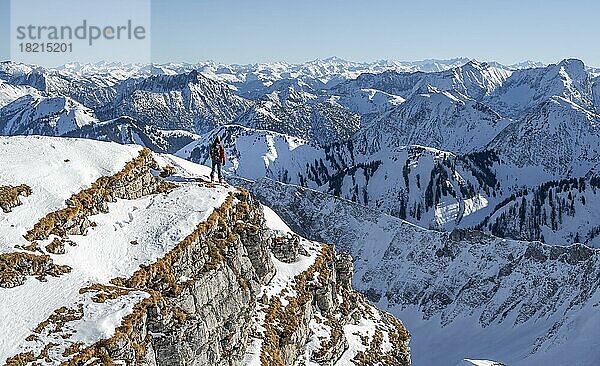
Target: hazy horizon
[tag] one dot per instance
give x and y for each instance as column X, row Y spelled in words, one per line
column 268, row 31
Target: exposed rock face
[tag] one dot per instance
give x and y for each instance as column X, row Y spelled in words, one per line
column 14, row 267
column 218, row 303
column 207, row 317
column 286, row 248
column 9, row 196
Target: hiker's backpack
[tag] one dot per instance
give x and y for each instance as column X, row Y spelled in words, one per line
column 215, row 152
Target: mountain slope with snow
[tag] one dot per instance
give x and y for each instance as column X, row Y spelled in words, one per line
column 31, row 115
column 103, row 260
column 560, row 212
column 322, row 123
column 596, row 93
column 188, row 102
column 446, row 145
column 427, row 186
column 9, row 92
column 463, row 294
column 438, row 119
column 558, row 135
column 526, row 89
column 125, row 130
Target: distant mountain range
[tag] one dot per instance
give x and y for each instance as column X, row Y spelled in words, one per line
column 506, row 155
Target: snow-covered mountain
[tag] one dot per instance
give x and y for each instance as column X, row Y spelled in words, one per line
column 35, row 115
column 9, row 92
column 528, row 64
column 426, row 186
column 526, row 89
column 558, row 135
column 440, row 119
column 300, row 104
column 255, row 153
column 103, row 260
column 462, row 294
column 394, row 162
column 92, row 91
column 188, row 102
column 323, row 123
column 473, row 79
column 126, row 130
column 369, row 121
column 329, row 70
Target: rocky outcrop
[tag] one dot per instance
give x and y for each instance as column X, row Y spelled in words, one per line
column 286, row 248
column 9, row 196
column 15, row 267
column 322, row 296
column 217, row 301
column 204, row 302
column 133, row 181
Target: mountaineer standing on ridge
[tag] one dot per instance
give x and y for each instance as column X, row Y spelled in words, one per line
column 217, row 155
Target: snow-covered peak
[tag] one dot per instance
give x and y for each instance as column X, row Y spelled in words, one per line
column 446, row 120
column 44, row 115
column 525, row 89
column 528, row 64
column 473, row 79
column 187, row 101
column 559, row 135
column 9, row 92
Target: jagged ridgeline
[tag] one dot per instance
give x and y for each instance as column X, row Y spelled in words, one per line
column 350, row 129
column 146, row 264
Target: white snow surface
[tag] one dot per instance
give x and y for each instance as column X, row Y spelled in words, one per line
column 41, row 163
column 482, row 362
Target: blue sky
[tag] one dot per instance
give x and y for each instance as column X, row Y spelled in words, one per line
column 242, row 31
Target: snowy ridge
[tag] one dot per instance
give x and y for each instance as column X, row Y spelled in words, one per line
column 527, row 88
column 189, row 102
column 9, row 93
column 66, row 166
column 31, row 115
column 324, row 70
column 126, row 130
column 558, row 135
column 431, row 187
column 438, row 119
column 61, row 317
column 443, row 144
column 255, row 153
